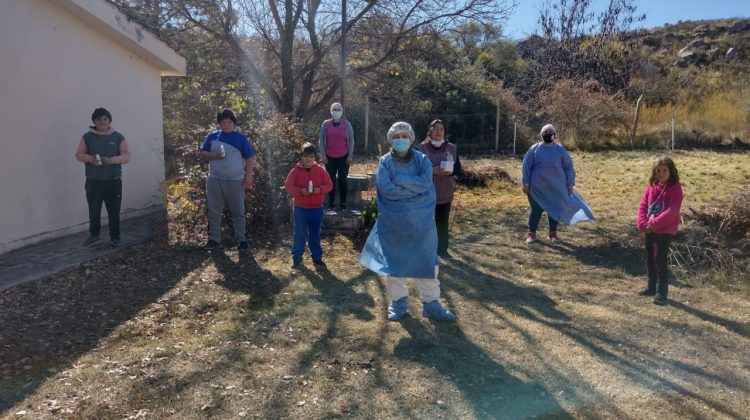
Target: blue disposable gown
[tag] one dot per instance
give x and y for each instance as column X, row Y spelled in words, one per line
column 548, row 170
column 403, row 241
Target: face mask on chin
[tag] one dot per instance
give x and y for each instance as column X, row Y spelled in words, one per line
column 401, row 145
column 437, row 143
column 548, row 138
column 336, row 115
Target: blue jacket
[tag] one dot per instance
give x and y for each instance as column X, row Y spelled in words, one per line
column 403, row 241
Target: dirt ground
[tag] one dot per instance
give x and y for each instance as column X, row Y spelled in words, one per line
column 543, row 331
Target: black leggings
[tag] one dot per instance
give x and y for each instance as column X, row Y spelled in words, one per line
column 339, row 171
column 657, row 251
column 108, row 192
column 442, row 216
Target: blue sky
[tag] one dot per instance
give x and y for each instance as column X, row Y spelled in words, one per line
column 523, row 22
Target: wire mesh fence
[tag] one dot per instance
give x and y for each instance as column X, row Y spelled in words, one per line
column 478, row 133
column 718, row 121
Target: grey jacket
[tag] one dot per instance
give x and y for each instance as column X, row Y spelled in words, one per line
column 349, row 136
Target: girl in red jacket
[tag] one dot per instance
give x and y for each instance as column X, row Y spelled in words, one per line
column 658, row 217
column 308, row 182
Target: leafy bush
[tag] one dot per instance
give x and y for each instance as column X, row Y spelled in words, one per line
column 276, row 141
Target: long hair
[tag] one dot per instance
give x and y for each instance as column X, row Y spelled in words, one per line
column 667, row 161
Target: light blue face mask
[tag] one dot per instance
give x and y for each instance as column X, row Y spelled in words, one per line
column 401, row 145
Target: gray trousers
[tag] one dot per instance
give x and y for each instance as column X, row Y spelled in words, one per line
column 219, row 193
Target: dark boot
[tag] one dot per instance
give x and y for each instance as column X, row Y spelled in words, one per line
column 661, row 291
column 650, row 289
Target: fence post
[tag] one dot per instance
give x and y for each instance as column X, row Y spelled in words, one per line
column 635, row 120
column 673, row 132
column 515, row 126
column 367, row 120
column 497, row 125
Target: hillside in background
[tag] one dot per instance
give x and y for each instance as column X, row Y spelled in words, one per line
column 698, row 73
column 695, row 73
column 698, row 43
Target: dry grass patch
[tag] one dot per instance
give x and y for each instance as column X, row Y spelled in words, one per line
column 555, row 330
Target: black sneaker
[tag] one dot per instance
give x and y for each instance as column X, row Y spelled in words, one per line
column 296, row 262
column 91, row 240
column 211, row 244
column 116, row 243
column 445, row 255
column 647, row 292
column 243, row 245
column 319, row 264
column 660, row 299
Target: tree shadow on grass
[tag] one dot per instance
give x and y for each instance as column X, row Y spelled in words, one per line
column 267, row 398
column 490, row 389
column 341, row 299
column 48, row 324
column 533, row 305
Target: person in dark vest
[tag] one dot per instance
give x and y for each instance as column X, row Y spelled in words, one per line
column 104, row 151
column 445, row 167
column 336, row 145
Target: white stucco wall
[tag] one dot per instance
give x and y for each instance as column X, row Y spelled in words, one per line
column 55, row 69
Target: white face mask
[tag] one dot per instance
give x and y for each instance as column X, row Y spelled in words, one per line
column 437, row 143
column 337, row 115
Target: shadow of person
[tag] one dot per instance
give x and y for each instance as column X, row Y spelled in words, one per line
column 475, row 283
column 248, row 277
column 490, row 389
column 486, row 288
column 734, row 326
column 340, row 296
column 610, row 255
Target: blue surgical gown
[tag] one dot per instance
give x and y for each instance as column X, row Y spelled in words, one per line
column 403, row 241
column 548, row 170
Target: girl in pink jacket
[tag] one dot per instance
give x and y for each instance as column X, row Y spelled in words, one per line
column 658, row 217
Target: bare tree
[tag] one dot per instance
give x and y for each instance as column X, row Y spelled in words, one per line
column 290, row 48
column 584, row 113
column 567, row 20
column 577, row 43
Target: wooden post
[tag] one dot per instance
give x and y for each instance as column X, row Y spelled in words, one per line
column 673, row 132
column 515, row 126
column 367, row 120
column 635, row 120
column 497, row 125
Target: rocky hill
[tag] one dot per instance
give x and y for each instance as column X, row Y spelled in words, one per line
column 698, row 43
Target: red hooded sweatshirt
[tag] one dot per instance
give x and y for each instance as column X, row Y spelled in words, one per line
column 298, row 179
column 664, row 202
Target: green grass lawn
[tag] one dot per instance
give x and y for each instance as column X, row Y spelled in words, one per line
column 549, row 330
